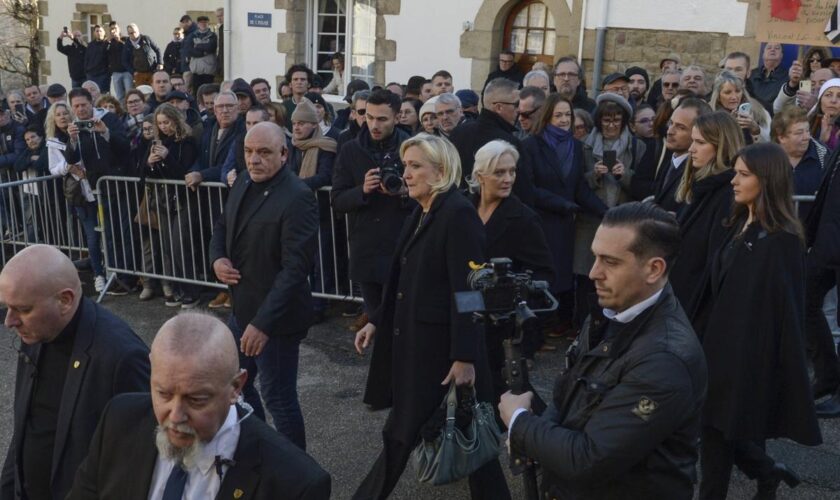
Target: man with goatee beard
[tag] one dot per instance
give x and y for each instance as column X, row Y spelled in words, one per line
column 190, row 438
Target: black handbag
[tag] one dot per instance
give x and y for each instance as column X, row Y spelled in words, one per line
column 73, row 191
column 455, row 454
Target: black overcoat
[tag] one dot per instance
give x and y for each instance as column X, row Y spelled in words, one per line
column 419, row 332
column 109, row 359
column 374, row 220
column 702, row 232
column 758, row 377
column 515, row 231
column 560, row 194
column 470, row 136
column 273, row 247
column 265, row 465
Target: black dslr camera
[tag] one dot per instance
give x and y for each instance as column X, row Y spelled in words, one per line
column 390, row 173
column 497, row 290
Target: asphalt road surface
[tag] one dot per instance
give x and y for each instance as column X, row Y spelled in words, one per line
column 344, row 437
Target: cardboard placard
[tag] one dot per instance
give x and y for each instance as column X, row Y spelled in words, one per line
column 810, row 17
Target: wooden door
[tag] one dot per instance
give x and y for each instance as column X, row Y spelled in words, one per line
column 530, row 34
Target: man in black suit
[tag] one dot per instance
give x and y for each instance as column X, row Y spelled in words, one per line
column 189, row 438
column 263, row 247
column 672, row 162
column 75, row 356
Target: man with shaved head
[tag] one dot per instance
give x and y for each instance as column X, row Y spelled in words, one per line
column 189, row 438
column 74, row 357
column 263, row 247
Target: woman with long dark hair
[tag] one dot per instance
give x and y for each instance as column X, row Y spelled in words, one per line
column 170, row 156
column 758, row 379
column 562, row 193
column 706, row 195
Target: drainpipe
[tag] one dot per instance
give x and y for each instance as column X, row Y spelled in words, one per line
column 600, row 40
column 228, row 40
column 582, row 28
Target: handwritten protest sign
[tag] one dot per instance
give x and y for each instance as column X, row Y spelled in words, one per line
column 807, row 27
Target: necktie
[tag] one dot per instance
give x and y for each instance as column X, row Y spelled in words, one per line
column 175, row 484
column 672, row 173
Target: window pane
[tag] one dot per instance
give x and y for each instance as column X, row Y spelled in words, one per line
column 329, row 6
column 535, row 41
column 517, row 40
column 536, row 17
column 521, row 18
column 550, row 39
column 550, row 21
column 364, row 40
column 327, row 24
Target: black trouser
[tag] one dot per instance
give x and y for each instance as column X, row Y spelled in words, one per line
column 488, row 482
column 717, row 456
column 820, row 344
column 199, row 80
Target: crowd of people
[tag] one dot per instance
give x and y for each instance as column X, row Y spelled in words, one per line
column 668, row 200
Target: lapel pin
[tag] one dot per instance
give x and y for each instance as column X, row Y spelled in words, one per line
column 76, row 364
column 265, row 193
column 237, row 493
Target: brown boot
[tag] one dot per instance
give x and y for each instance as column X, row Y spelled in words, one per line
column 221, row 300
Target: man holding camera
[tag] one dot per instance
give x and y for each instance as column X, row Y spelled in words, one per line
column 367, row 185
column 70, row 44
column 625, row 418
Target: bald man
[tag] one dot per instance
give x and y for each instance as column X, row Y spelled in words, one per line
column 74, row 357
column 263, row 247
column 189, row 438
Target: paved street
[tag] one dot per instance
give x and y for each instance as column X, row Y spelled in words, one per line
column 344, row 437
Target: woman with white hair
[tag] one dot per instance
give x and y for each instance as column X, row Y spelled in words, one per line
column 513, row 230
column 422, row 343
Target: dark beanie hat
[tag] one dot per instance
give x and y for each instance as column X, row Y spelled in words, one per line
column 241, row 87
column 635, row 70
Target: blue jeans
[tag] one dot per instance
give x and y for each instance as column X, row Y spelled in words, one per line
column 122, row 83
column 277, row 369
column 88, row 216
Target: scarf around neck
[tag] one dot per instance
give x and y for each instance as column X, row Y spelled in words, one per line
column 562, row 142
column 310, row 148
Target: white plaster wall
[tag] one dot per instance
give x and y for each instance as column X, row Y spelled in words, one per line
column 721, row 16
column 254, row 50
column 428, row 36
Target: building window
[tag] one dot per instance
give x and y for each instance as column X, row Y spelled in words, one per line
column 530, row 34
column 92, row 20
column 336, row 23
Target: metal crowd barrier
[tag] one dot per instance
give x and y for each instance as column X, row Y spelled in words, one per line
column 160, row 230
column 34, row 210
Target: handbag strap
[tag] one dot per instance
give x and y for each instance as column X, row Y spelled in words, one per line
column 451, row 405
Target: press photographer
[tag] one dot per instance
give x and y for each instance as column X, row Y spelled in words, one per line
column 367, row 185
column 625, row 418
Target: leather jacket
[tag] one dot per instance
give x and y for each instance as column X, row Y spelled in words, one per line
column 625, row 420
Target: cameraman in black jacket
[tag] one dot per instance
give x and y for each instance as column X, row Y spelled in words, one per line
column 359, row 189
column 625, row 418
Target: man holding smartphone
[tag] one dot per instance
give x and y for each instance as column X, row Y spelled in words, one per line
column 71, row 45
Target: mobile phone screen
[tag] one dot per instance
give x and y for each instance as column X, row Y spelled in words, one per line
column 609, row 158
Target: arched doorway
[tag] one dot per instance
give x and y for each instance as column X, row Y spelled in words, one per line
column 530, row 33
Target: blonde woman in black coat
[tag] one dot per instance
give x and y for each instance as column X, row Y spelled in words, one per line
column 417, row 326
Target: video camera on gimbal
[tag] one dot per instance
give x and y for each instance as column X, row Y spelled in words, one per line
column 499, row 295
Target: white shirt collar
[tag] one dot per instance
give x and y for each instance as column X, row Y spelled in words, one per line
column 223, row 443
column 632, row 312
column 678, row 160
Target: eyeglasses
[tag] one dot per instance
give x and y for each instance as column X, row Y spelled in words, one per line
column 226, row 106
column 527, row 114
column 506, row 61
column 446, row 112
column 361, row 111
column 515, row 104
column 670, row 85
column 611, row 121
column 566, row 76
column 814, row 59
column 134, row 101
